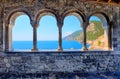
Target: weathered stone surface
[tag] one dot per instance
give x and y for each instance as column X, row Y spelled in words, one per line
column 59, row 65
column 100, row 63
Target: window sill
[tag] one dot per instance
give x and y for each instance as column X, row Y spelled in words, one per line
column 60, row 52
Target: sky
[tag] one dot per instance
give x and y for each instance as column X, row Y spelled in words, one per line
column 47, row 29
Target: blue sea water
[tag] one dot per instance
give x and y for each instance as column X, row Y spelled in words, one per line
column 46, row 45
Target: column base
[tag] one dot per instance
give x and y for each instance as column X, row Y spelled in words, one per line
column 34, row 50
column 60, row 49
column 84, row 48
column 11, row 49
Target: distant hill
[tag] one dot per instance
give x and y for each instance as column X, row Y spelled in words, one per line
column 94, row 30
column 74, row 36
column 98, row 30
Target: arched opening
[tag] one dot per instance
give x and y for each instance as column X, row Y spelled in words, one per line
column 47, row 33
column 20, row 32
column 98, row 33
column 72, row 32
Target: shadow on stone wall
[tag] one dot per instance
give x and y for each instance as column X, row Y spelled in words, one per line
column 61, row 75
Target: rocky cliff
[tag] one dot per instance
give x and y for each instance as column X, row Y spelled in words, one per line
column 94, row 33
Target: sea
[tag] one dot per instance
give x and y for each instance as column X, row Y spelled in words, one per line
column 47, row 45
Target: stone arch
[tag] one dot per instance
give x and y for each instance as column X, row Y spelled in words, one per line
column 107, row 28
column 10, row 23
column 16, row 13
column 44, row 12
column 103, row 17
column 39, row 14
column 76, row 13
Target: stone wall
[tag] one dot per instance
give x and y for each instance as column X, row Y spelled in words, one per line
column 61, row 65
column 1, row 29
column 115, row 30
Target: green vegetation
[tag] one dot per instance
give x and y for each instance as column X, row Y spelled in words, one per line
column 74, row 36
column 99, row 42
column 91, row 34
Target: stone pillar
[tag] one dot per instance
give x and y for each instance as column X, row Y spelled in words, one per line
column 6, row 37
column 84, row 35
column 110, row 35
column 34, row 49
column 1, row 29
column 60, row 36
column 3, row 36
column 10, row 37
column 110, row 38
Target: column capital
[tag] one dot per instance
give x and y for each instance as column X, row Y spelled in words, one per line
column 85, row 25
column 7, row 23
column 59, row 24
column 34, row 24
column 11, row 25
column 110, row 24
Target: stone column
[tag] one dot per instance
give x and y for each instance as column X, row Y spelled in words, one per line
column 34, row 49
column 110, row 38
column 1, row 29
column 10, row 36
column 6, row 37
column 110, row 35
column 60, row 36
column 3, row 36
column 84, row 35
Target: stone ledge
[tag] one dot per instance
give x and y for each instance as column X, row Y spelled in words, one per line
column 61, row 52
